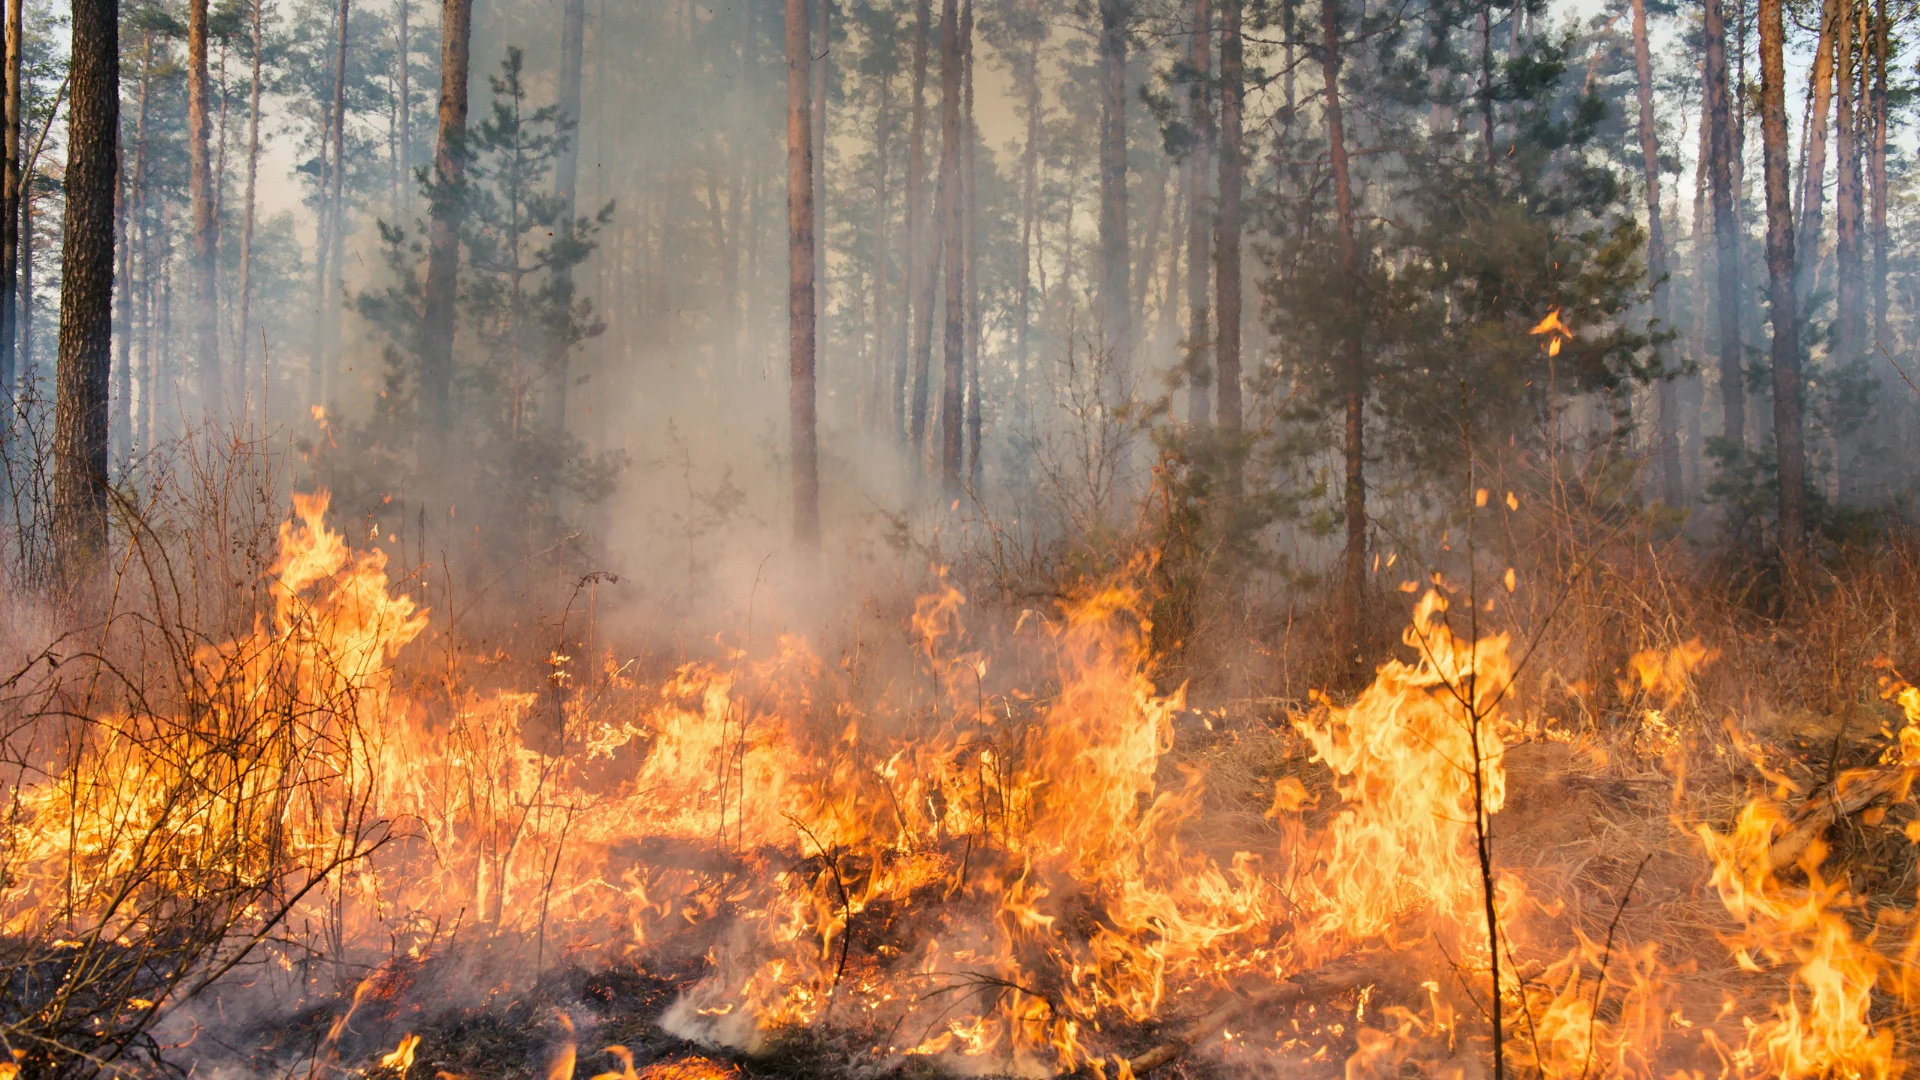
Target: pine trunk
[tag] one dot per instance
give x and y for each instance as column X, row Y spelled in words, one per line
column 1847, row 196
column 1789, row 449
column 443, row 234
column 1877, row 179
column 920, row 269
column 970, row 243
column 1114, row 268
column 1667, row 422
column 1353, row 556
column 822, row 14
column 800, row 283
column 130, row 187
column 244, row 347
column 12, row 187
column 86, row 295
column 1226, row 256
column 566, row 181
column 206, row 326
column 1029, row 79
column 1199, row 221
column 336, row 213
column 953, row 351
column 883, row 415
column 1813, row 183
column 1726, row 234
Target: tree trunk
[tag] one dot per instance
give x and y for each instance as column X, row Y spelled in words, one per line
column 1789, row 450
column 970, row 243
column 953, row 353
column 86, row 295
column 244, row 346
column 443, row 233
column 1484, row 24
column 884, row 414
column 1813, row 185
column 800, row 283
column 337, row 212
column 1847, row 201
column 206, row 326
column 405, row 50
column 1028, row 78
column 1354, row 555
column 566, row 181
column 817, row 95
column 1114, row 268
column 1849, row 316
column 920, row 271
column 1877, row 179
column 1726, row 234
column 1226, row 256
column 12, row 185
column 131, row 186
column 1199, row 223
column 1667, row 422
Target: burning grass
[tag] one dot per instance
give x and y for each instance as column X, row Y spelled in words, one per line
column 983, row 845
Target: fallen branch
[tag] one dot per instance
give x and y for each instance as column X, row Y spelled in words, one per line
column 1325, row 982
column 1852, row 792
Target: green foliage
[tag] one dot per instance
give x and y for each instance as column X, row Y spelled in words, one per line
column 521, row 320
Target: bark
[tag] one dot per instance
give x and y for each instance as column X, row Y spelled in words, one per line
column 86, row 295
column 884, row 414
column 566, row 182
column 12, row 186
column 206, row 335
column 822, row 13
column 248, row 212
column 1114, row 268
column 970, row 238
column 1667, row 422
column 1726, row 233
column 405, row 51
column 1788, row 446
column 1226, row 268
column 337, row 214
column 1813, row 185
column 920, row 280
column 1353, row 556
column 800, row 283
column 1029, row 81
column 1847, row 201
column 132, row 184
column 1877, row 179
column 443, row 233
column 1849, row 317
column 953, row 352
column 1199, row 223
column 220, row 148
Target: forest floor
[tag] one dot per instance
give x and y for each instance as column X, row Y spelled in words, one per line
column 1599, row 826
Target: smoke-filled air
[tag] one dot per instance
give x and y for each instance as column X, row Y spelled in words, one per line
column 948, row 539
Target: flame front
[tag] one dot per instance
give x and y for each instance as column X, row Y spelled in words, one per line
column 993, row 860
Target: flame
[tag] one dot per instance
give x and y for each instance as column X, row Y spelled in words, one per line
column 1825, row 1027
column 401, row 1058
column 995, row 859
column 1403, row 758
column 1555, row 330
column 1667, row 674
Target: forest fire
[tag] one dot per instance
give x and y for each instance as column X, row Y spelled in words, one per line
column 992, row 869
